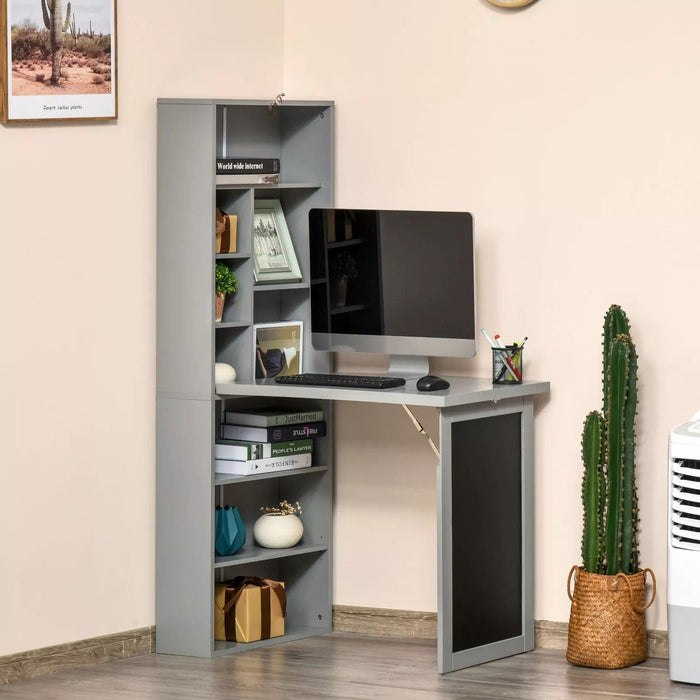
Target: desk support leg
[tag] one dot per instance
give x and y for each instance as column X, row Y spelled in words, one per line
column 485, row 533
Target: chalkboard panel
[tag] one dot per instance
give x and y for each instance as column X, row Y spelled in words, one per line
column 486, row 531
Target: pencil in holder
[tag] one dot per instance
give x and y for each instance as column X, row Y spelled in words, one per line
column 507, row 365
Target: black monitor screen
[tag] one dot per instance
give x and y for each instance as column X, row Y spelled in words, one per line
column 392, row 281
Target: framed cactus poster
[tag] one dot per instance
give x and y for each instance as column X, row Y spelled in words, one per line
column 58, row 60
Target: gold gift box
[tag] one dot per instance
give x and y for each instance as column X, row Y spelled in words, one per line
column 249, row 608
column 226, row 232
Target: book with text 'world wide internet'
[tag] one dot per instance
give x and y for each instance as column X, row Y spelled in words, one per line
column 267, row 417
column 261, row 466
column 300, row 431
column 247, row 166
column 243, row 450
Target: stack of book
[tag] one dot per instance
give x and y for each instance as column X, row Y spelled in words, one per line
column 267, row 440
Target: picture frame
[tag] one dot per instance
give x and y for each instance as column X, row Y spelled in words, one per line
column 274, row 259
column 58, row 63
column 278, row 349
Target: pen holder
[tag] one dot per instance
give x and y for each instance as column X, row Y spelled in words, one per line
column 507, row 365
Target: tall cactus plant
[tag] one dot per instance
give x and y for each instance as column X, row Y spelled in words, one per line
column 57, row 26
column 609, row 495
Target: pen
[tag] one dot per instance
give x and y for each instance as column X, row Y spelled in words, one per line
column 508, row 363
column 486, row 335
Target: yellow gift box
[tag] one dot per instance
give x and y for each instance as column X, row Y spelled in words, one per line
column 226, row 232
column 249, row 608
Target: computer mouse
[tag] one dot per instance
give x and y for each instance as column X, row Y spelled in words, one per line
column 431, row 383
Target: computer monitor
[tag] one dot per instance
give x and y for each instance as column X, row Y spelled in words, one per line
column 396, row 282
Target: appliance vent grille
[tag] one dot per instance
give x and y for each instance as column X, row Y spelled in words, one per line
column 685, row 504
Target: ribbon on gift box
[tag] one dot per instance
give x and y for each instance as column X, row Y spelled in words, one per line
column 266, row 585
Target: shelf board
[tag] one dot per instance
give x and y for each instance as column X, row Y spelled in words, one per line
column 223, row 479
column 300, row 632
column 251, row 554
column 232, row 256
column 232, row 324
column 222, row 184
column 278, row 287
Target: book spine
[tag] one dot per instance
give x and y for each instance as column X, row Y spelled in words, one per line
column 261, row 420
column 248, row 179
column 300, row 431
column 262, row 466
column 250, row 450
column 247, row 166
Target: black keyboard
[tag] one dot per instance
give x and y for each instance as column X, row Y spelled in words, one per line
column 352, row 381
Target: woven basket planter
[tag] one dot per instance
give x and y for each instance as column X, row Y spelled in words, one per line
column 607, row 627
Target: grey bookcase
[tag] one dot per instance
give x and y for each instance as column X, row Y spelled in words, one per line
column 192, row 133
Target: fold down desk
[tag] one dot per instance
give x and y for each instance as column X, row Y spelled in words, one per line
column 484, row 508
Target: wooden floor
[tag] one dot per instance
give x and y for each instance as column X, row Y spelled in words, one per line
column 342, row 665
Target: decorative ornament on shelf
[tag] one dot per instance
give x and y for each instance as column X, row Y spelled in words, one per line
column 279, row 527
column 607, row 627
column 224, row 372
column 226, row 283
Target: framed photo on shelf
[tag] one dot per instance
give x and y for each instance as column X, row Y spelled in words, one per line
column 58, row 60
column 277, row 348
column 274, row 259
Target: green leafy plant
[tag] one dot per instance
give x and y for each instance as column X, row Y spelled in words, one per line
column 284, row 508
column 226, row 280
column 610, row 507
column 342, row 266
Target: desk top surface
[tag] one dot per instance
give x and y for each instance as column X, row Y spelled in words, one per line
column 462, row 391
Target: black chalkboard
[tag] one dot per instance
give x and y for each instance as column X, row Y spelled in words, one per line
column 486, row 531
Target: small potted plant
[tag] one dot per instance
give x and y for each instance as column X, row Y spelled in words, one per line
column 279, row 526
column 342, row 269
column 226, row 283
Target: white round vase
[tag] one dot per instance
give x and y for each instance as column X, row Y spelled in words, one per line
column 278, row 531
column 224, row 373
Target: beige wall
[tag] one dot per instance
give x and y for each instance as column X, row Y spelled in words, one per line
column 570, row 130
column 77, row 312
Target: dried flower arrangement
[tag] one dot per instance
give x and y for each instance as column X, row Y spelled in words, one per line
column 284, row 508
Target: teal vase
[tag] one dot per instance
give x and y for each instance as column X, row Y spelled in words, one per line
column 229, row 533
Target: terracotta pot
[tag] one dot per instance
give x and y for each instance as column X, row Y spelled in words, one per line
column 220, row 300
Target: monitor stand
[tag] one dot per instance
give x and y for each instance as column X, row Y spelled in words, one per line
column 408, row 366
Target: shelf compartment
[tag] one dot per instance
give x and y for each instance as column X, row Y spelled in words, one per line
column 301, row 632
column 251, row 554
column 223, row 479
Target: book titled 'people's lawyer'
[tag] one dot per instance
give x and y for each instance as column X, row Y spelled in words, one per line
column 261, row 466
column 242, row 450
column 247, row 166
column 278, row 433
column 267, row 417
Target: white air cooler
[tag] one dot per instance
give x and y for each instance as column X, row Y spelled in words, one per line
column 683, row 579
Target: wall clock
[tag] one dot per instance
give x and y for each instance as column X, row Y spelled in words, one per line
column 511, row 3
